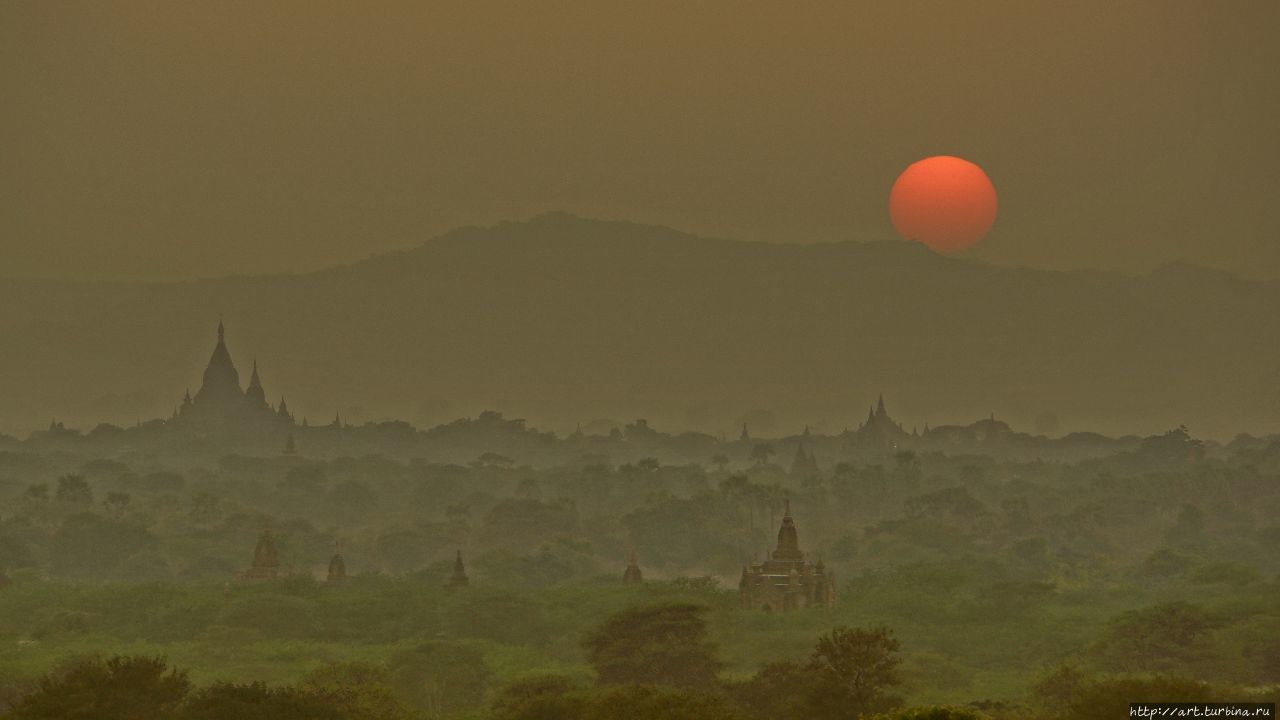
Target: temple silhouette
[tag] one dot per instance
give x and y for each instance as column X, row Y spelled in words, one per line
column 220, row 402
column 786, row 581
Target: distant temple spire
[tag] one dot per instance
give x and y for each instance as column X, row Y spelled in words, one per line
column 220, row 403
column 786, row 580
column 337, row 566
column 745, row 436
column 220, row 390
column 282, row 412
column 254, row 395
column 459, row 576
column 266, row 562
column 632, row 575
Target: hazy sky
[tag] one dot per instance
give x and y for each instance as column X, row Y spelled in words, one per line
column 185, row 139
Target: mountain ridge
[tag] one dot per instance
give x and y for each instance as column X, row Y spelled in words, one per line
column 564, row 319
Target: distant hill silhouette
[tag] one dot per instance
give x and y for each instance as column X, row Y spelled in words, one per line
column 562, row 319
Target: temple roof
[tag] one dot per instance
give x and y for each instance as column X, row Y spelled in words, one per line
column 788, row 539
column 221, row 379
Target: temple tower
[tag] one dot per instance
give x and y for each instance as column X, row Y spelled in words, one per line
column 786, row 581
column 459, row 576
column 337, row 567
column 221, row 387
column 266, row 562
column 632, row 575
column 255, row 398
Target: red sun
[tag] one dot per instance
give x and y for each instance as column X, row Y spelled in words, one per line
column 945, row 202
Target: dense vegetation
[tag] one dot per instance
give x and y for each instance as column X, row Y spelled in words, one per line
column 1002, row 585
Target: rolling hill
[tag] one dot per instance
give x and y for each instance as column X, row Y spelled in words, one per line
column 564, row 320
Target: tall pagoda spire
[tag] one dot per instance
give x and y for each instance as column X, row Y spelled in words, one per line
column 221, row 380
column 254, row 395
column 788, row 539
column 632, row 574
column 459, row 576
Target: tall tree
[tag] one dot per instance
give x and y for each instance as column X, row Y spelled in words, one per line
column 120, row 688
column 657, row 645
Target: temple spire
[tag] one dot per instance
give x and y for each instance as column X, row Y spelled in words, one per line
column 254, row 394
column 880, row 405
column 220, row 389
column 459, row 576
column 632, row 574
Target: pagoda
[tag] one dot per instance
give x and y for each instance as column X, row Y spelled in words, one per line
column 786, row 581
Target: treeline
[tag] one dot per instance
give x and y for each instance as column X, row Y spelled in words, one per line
column 1159, row 560
column 648, row 662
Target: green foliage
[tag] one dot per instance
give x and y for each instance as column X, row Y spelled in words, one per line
column 496, row 615
column 987, row 568
column 257, row 701
column 74, row 492
column 555, row 698
column 1163, row 637
column 849, row 673
column 855, row 667
column 439, row 678
column 935, row 712
column 91, row 546
column 657, row 645
column 1108, row 698
column 359, row 689
column 544, row 697
column 119, row 688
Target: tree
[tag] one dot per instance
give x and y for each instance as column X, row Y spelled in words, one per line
column 646, row 702
column 1174, row 446
column 761, row 452
column 93, row 546
column 1110, row 697
column 529, row 489
column 656, row 645
column 36, row 497
column 555, row 698
column 257, row 701
column 854, row 669
column 116, row 504
column 778, row 690
column 493, row 459
column 440, row 678
column 121, row 688
column 847, row 675
column 1056, row 691
column 648, row 465
column 546, row 697
column 73, row 491
column 932, row 712
column 721, row 461
column 1163, row 637
column 359, row 689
